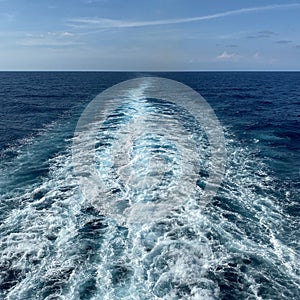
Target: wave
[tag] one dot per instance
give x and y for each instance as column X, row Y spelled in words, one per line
column 56, row 245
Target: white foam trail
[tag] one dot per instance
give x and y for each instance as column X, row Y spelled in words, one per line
column 96, row 189
column 54, row 245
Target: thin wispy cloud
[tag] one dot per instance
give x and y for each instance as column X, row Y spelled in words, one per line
column 232, row 46
column 113, row 23
column 233, row 35
column 266, row 33
column 284, row 42
column 262, row 34
column 7, row 17
column 94, row 1
column 52, row 39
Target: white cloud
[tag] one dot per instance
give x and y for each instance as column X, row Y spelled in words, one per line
column 227, row 56
column 112, row 23
column 67, row 34
column 257, row 56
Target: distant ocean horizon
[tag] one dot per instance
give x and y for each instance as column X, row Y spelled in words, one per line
column 243, row 245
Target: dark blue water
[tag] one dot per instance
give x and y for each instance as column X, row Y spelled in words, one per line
column 243, row 245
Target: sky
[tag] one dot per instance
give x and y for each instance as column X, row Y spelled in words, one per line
column 156, row 35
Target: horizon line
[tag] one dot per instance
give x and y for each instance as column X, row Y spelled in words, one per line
column 149, row 71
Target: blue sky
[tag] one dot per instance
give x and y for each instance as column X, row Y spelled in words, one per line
column 149, row 35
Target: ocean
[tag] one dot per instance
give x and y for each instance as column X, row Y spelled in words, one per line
column 241, row 244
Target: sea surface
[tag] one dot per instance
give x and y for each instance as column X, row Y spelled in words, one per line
column 243, row 244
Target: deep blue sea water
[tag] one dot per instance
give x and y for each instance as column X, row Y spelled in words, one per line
column 244, row 244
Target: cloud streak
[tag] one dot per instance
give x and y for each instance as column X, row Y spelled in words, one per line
column 284, row 42
column 53, row 39
column 113, row 23
column 262, row 34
